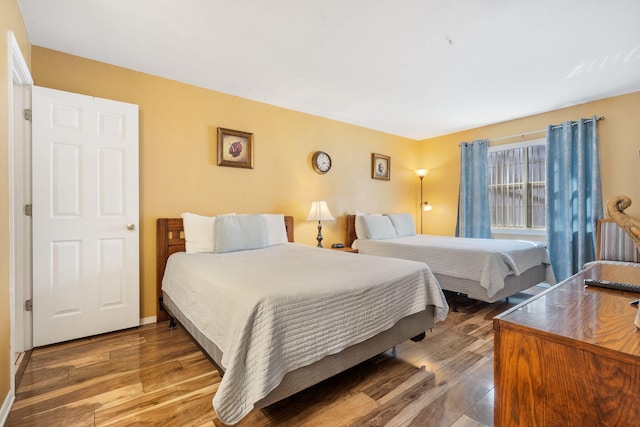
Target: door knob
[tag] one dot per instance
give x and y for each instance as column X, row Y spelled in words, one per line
column 131, row 227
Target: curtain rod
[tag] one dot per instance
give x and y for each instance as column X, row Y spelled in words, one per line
column 539, row 130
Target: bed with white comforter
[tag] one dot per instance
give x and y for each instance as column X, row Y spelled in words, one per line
column 483, row 269
column 275, row 309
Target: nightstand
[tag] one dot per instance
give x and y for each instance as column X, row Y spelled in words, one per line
column 345, row 249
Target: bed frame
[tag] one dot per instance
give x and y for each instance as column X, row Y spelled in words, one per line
column 170, row 239
column 471, row 288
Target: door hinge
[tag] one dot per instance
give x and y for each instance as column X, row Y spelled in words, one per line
column 28, row 114
column 28, row 210
column 28, row 305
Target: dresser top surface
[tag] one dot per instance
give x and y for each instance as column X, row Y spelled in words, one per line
column 587, row 315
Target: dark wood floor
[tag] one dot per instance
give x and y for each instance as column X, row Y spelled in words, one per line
column 156, row 376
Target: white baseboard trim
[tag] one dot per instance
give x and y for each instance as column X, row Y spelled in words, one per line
column 6, row 407
column 147, row 320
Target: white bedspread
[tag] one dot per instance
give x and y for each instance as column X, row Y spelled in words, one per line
column 277, row 309
column 487, row 261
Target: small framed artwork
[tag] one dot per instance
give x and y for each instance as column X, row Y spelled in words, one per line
column 235, row 148
column 380, row 166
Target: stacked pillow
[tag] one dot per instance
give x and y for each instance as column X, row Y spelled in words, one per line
column 378, row 226
column 198, row 232
column 231, row 232
column 403, row 224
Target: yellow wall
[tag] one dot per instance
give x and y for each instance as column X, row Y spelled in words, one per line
column 10, row 20
column 178, row 150
column 619, row 138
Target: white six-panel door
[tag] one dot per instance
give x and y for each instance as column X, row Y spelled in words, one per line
column 85, row 216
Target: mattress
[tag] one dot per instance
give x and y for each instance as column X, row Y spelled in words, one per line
column 274, row 310
column 486, row 262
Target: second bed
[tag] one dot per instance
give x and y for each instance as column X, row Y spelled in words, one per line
column 483, row 269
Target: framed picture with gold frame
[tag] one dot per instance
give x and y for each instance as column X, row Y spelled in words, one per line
column 380, row 166
column 235, row 148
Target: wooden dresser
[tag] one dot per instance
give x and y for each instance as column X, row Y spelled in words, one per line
column 570, row 356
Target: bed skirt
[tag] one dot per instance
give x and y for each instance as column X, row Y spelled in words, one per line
column 512, row 284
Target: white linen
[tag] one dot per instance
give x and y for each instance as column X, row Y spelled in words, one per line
column 378, row 227
column 276, row 231
column 488, row 261
column 276, row 309
column 360, row 230
column 240, row 233
column 198, row 232
column 403, row 223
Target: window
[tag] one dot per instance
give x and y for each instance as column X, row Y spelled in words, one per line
column 517, row 185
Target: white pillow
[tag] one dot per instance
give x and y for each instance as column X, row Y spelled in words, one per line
column 378, row 227
column 239, row 233
column 403, row 224
column 198, row 232
column 361, row 233
column 276, row 232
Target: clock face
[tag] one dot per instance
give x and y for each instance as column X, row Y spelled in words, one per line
column 321, row 162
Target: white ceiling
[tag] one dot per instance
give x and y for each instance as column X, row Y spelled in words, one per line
column 414, row 68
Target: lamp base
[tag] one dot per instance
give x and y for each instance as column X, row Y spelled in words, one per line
column 319, row 237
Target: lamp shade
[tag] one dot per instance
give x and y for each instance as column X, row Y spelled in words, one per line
column 319, row 212
column 426, row 207
column 422, row 172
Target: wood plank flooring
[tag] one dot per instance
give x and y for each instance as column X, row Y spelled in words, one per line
column 156, row 376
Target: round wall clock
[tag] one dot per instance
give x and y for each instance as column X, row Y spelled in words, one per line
column 321, row 162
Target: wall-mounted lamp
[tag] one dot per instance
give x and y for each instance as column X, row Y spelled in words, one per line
column 425, row 206
column 319, row 212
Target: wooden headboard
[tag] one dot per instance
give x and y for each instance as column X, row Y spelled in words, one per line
column 351, row 230
column 614, row 243
column 169, row 240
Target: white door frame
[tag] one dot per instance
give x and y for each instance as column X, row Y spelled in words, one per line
column 19, row 75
